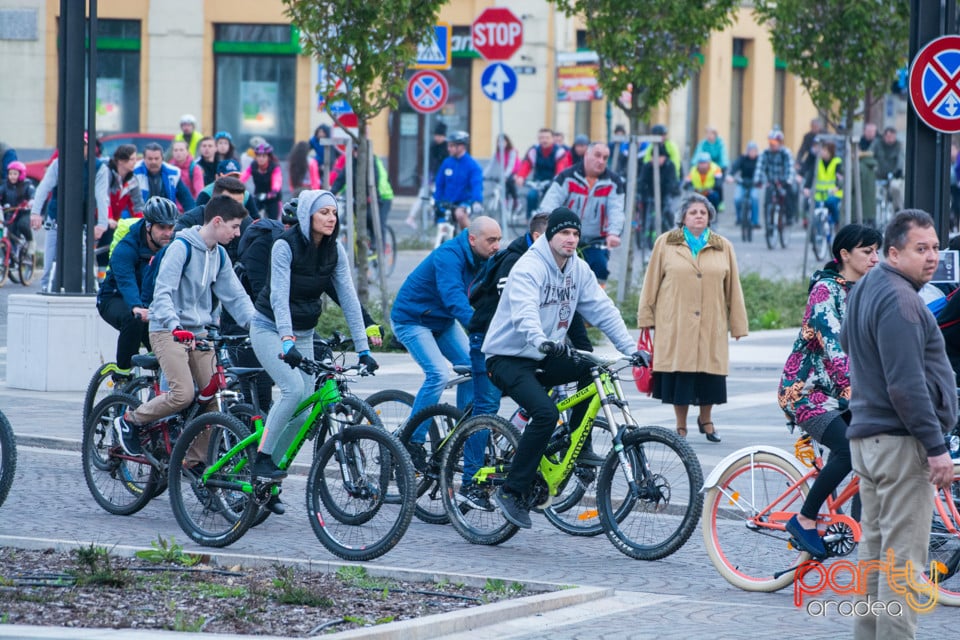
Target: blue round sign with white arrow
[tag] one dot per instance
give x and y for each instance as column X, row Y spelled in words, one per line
column 498, row 81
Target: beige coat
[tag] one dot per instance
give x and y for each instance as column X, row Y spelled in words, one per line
column 692, row 304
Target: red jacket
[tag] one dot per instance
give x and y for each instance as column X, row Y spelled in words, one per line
column 561, row 159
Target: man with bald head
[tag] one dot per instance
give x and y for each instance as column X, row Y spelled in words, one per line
column 432, row 310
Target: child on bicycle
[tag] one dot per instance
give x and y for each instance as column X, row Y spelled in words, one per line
column 827, row 178
column 815, row 385
column 16, row 198
column 181, row 309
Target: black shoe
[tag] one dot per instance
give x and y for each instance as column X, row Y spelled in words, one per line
column 513, row 507
column 274, row 505
column 807, row 539
column 418, row 455
column 473, row 495
column 712, row 434
column 590, row 458
column 128, row 436
column 265, row 467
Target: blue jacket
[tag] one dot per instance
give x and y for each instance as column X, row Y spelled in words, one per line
column 127, row 262
column 435, row 294
column 459, row 181
column 174, row 188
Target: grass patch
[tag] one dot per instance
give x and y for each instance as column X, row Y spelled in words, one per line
column 164, row 552
column 95, row 567
column 773, row 304
column 502, row 587
column 358, row 577
column 286, row 591
column 214, row 590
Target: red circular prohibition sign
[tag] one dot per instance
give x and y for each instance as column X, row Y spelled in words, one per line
column 926, row 106
column 427, row 91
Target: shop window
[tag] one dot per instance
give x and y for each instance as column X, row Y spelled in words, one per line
column 118, row 76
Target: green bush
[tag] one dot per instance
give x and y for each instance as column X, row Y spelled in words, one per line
column 773, row 304
column 332, row 320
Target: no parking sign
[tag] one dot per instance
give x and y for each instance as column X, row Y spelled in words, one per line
column 935, row 84
column 427, row 91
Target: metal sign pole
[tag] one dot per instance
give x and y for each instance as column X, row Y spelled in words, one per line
column 501, row 147
column 348, row 214
column 425, row 187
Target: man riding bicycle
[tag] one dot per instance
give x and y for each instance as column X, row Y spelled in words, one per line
column 706, row 178
column 459, row 180
column 527, row 351
column 775, row 170
column 543, row 162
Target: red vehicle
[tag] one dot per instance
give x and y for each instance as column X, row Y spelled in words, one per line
column 108, row 144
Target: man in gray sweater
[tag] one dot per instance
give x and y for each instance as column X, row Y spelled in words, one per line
column 903, row 403
column 547, row 285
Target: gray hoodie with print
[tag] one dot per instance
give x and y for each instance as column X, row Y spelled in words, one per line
column 187, row 301
column 540, row 299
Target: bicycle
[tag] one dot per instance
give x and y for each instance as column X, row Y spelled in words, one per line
column 123, row 484
column 352, row 469
column 753, row 492
column 16, row 258
column 775, row 223
column 502, row 207
column 885, row 210
column 746, row 213
column 821, row 229
column 648, row 489
column 8, row 457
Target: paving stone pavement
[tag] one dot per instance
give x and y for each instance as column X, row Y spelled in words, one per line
column 681, row 596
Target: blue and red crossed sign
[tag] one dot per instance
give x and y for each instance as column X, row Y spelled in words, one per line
column 935, row 84
column 427, row 91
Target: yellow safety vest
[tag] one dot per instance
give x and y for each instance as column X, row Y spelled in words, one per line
column 705, row 182
column 827, row 179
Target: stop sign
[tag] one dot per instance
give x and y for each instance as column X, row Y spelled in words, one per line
column 497, row 33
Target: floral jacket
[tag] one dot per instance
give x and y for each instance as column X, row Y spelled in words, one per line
column 815, row 378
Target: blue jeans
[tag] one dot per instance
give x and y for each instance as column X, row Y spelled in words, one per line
column 486, row 401
column 738, row 196
column 432, row 350
column 832, row 203
column 598, row 259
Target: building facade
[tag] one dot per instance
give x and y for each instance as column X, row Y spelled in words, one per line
column 236, row 65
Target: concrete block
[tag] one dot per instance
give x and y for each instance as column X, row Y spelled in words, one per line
column 55, row 342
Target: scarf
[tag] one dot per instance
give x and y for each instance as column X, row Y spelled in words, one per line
column 696, row 244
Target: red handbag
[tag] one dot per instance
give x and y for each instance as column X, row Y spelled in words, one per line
column 643, row 376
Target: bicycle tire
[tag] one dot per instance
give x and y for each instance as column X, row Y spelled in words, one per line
column 8, row 457
column 818, row 237
column 389, row 258
column 350, row 516
column 944, row 545
column 212, row 516
column 351, row 411
column 103, row 383
column 769, row 231
column 246, row 413
column 658, row 452
column 393, row 407
column 783, row 228
column 475, row 526
column 120, row 485
column 4, row 260
column 26, row 265
column 443, row 419
column 746, row 218
column 142, row 387
column 574, row 511
column 749, row 558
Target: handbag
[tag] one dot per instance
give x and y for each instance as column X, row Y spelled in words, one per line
column 643, row 376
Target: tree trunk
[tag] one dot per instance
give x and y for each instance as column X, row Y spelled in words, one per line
column 377, row 231
column 362, row 243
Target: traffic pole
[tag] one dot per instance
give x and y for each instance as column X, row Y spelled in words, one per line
column 501, row 147
column 425, row 187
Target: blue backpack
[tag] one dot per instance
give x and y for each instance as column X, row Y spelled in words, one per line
column 153, row 268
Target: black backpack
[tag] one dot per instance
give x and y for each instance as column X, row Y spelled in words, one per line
column 253, row 261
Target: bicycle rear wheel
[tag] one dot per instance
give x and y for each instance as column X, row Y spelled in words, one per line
column 8, row 457
column 105, row 381
column 745, row 553
column 121, row 484
column 945, row 544
column 26, row 264
column 441, row 420
column 658, row 518
column 217, row 511
column 393, row 407
column 346, row 491
column 475, row 525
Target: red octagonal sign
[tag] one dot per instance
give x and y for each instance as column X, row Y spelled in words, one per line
column 497, row 33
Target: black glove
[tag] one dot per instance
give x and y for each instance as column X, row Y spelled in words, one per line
column 556, row 349
column 640, row 359
column 368, row 361
column 292, row 357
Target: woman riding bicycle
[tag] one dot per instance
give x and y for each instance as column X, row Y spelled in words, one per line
column 815, row 385
column 304, row 260
column 17, row 192
column 267, row 180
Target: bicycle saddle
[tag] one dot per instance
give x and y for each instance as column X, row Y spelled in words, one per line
column 462, row 370
column 146, row 361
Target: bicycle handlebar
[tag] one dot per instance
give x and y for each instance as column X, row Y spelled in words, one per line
column 313, row 367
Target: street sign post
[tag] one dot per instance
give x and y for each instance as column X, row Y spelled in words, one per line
column 427, row 91
column 935, row 84
column 498, row 82
column 497, row 33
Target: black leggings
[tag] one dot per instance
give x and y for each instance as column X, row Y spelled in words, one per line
column 834, row 471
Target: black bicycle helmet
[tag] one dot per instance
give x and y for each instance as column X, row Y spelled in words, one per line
column 290, row 212
column 459, row 137
column 160, row 211
column 658, row 130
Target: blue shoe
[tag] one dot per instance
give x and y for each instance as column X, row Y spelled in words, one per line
column 808, row 539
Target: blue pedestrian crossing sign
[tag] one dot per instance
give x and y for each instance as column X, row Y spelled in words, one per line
column 435, row 52
column 935, row 84
column 498, row 81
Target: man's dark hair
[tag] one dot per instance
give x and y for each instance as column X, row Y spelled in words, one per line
column 538, row 223
column 889, row 130
column 896, row 232
column 227, row 184
column 225, row 207
column 152, row 146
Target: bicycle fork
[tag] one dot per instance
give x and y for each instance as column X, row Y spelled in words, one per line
column 611, row 393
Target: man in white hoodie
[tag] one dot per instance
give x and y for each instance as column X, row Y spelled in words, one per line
column 528, row 332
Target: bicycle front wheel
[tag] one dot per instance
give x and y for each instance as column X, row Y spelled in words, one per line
column 347, row 489
column 26, row 265
column 393, row 407
column 121, row 484
column 440, row 419
column 769, row 226
column 493, row 441
column 8, row 457
column 818, row 237
column 945, row 544
column 217, row 511
column 4, row 260
column 650, row 510
column 783, row 228
column 747, row 553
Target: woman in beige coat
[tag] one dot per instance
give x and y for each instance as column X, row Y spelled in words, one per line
column 692, row 296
